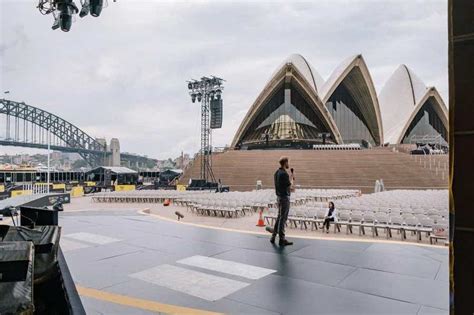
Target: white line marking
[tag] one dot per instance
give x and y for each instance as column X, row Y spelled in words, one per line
column 92, row 238
column 227, row 266
column 68, row 245
column 202, row 285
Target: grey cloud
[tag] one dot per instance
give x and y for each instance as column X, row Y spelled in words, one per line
column 123, row 74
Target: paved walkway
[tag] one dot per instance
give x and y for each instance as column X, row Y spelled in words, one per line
column 127, row 263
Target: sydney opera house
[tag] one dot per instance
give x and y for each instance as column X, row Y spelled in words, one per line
column 360, row 135
column 298, row 109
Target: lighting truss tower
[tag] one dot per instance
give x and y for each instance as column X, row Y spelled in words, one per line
column 205, row 90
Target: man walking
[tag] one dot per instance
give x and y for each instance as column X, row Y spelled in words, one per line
column 283, row 188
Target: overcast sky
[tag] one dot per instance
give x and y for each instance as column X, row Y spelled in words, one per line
column 123, row 74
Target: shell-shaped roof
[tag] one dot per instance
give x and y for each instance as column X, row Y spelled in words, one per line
column 398, row 98
column 305, row 68
column 335, row 76
column 439, row 107
column 308, row 77
column 355, row 70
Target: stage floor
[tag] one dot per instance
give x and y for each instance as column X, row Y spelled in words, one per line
column 127, row 263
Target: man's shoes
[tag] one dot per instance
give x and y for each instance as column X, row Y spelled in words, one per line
column 272, row 240
column 285, row 243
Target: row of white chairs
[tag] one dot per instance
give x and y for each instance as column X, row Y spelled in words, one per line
column 143, row 196
column 303, row 217
column 221, row 208
column 415, row 199
column 234, row 204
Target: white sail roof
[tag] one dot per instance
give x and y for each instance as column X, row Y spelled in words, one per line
column 354, row 70
column 305, row 68
column 438, row 105
column 398, row 98
column 335, row 76
column 309, row 78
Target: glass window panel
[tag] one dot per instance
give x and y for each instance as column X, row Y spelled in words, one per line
column 426, row 123
column 287, row 115
column 349, row 119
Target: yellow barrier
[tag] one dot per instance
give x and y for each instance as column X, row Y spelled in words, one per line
column 180, row 187
column 2, row 188
column 59, row 186
column 124, row 187
column 77, row 191
column 89, row 183
column 16, row 193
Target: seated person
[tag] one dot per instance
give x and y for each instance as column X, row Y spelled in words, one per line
column 331, row 216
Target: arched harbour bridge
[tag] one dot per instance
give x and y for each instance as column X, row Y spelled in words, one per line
column 29, row 126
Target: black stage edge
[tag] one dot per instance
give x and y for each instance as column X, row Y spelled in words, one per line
column 58, row 295
column 461, row 154
column 72, row 296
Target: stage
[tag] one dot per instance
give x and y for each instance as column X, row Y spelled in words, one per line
column 124, row 262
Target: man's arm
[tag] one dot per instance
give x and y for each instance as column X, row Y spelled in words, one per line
column 290, row 182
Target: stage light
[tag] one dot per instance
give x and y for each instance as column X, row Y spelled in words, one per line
column 65, row 20
column 63, row 10
column 66, row 9
column 55, row 24
column 85, row 8
column 205, row 91
column 96, row 7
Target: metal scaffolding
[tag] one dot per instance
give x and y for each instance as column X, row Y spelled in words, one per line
column 204, row 91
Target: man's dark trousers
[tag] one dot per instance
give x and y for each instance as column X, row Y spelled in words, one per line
column 283, row 210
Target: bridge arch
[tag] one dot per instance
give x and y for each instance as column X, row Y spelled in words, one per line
column 74, row 139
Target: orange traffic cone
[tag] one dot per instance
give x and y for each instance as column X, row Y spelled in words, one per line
column 260, row 219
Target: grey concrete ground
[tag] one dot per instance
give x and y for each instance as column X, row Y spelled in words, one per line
column 127, row 254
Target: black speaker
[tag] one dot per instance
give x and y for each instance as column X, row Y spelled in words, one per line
column 16, row 278
column 216, row 113
column 46, row 243
column 37, row 216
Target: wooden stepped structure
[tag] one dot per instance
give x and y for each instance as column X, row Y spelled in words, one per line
column 240, row 169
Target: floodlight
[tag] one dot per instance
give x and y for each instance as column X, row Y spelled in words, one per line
column 199, row 97
column 65, row 21
column 85, row 9
column 193, row 98
column 66, row 9
column 55, row 24
column 96, row 7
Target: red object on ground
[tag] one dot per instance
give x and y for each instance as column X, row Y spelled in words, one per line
column 260, row 219
column 166, row 203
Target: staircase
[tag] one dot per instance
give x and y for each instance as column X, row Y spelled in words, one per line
column 326, row 169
